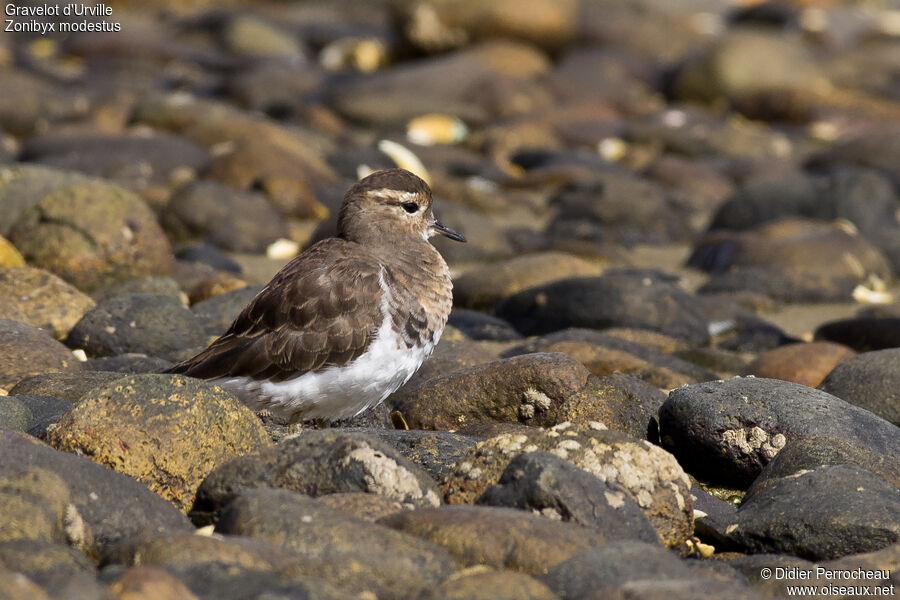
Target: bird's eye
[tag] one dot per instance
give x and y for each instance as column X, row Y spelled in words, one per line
column 410, row 207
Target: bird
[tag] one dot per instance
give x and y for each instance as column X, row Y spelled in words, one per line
column 349, row 320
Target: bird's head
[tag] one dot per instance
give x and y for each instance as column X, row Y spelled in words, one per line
column 387, row 205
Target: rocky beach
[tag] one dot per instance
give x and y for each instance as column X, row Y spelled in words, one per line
column 672, row 368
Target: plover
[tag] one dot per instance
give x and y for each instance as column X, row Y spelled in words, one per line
column 348, row 321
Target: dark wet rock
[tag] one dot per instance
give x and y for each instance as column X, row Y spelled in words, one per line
column 814, row 452
column 613, row 565
column 482, row 583
column 45, row 300
column 553, row 487
column 870, row 380
column 65, row 386
column 646, row 473
column 217, row 313
column 129, row 363
column 502, row 538
column 434, row 451
column 61, row 571
column 806, row 364
column 604, row 354
column 235, row 220
column 14, row 415
column 820, row 260
column 28, row 351
column 695, row 132
column 153, row 324
column 208, row 255
column 92, row 233
column 480, row 326
column 42, row 412
column 113, row 506
column 359, row 554
column 780, row 285
column 317, row 463
column 828, row 512
column 152, row 284
column 863, row 334
column 712, row 518
column 642, row 299
column 723, row 361
column 752, row 70
column 618, row 207
column 875, row 148
column 861, row 196
column 166, row 431
column 137, row 162
column 482, row 287
column 276, row 88
column 439, row 25
column 727, row 431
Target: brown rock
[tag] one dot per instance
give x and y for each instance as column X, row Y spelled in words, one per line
column 807, row 364
column 29, row 351
column 502, row 538
column 605, row 361
column 44, row 299
column 483, row 583
column 92, row 234
column 650, row 475
column 166, row 431
column 64, row 385
column 438, row 25
column 369, row 507
column 150, row 583
column 482, row 287
column 525, row 388
column 34, row 506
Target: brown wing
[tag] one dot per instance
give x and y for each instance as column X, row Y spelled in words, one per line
column 323, row 308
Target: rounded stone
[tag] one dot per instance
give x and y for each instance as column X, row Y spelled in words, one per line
column 870, row 380
column 152, row 324
column 166, row 431
column 44, row 299
column 725, row 432
column 806, row 364
column 30, row 351
column 91, row 234
column 646, row 473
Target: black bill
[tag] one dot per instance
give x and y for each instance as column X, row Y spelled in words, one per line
column 446, row 231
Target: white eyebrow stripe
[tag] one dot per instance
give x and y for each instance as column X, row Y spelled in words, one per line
column 398, row 195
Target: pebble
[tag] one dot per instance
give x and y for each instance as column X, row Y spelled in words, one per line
column 654, row 199
column 167, row 432
column 29, row 351
column 727, row 431
column 870, row 380
column 317, row 463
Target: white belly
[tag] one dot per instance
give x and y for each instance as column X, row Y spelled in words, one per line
column 339, row 392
